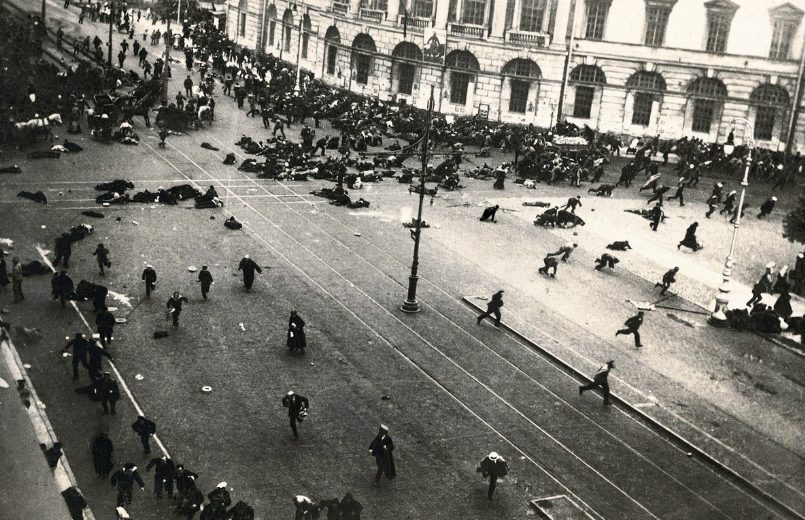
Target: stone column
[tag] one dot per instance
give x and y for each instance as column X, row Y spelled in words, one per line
column 442, row 10
column 499, row 18
column 354, row 6
column 393, row 10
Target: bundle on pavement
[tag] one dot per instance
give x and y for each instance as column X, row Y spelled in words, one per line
column 36, row 197
column 33, row 268
column 117, row 186
column 87, row 290
column 10, row 169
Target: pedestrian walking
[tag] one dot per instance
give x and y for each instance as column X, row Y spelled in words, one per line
column 63, row 250
column 205, row 279
column 105, row 321
column 124, row 479
column 690, row 238
column 600, row 380
column 632, row 326
column 680, row 191
column 767, row 206
column 764, row 285
column 667, row 279
column 188, row 87
column 296, row 333
column 164, row 474
column 572, row 203
column 16, row 279
column 174, row 306
column 606, row 260
column 102, row 449
column 145, row 429
column 297, row 406
column 382, row 449
column 656, row 215
column 101, row 255
column 248, row 266
column 95, row 355
column 185, row 483
column 493, row 307
column 110, row 393
column 729, row 203
column 658, row 194
column 62, row 287
column 150, row 278
column 80, row 346
column 712, row 205
column 493, row 466
column 489, row 213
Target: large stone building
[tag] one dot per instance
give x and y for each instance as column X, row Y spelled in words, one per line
column 638, row 67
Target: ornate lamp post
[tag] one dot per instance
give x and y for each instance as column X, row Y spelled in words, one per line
column 718, row 318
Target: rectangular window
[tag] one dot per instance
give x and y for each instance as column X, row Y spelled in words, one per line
column 641, row 113
column 703, row 113
column 519, row 96
column 423, row 8
column 764, row 123
column 452, row 10
column 782, row 33
column 272, row 28
column 718, row 28
column 305, row 40
column 287, row 29
column 459, row 84
column 474, row 12
column 332, row 55
column 656, row 22
column 583, row 105
column 242, row 25
column 362, row 63
column 532, row 13
column 596, row 18
column 406, row 75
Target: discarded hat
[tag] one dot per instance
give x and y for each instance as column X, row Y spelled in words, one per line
column 221, row 485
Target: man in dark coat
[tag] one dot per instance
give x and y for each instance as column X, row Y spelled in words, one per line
column 80, row 345
column 99, row 298
column 712, row 205
column 489, row 213
column 656, row 216
column 667, row 279
column 62, row 286
column 110, row 393
column 188, row 87
column 295, row 405
column 145, row 429
column 350, row 508
column 729, row 203
column 150, row 278
column 572, row 203
column 124, row 479
column 296, row 333
column 101, row 255
column 243, row 511
column 174, row 306
column 102, row 449
column 95, row 355
column 248, row 266
column 764, row 285
column 63, row 249
column 680, row 191
column 767, row 206
column 493, row 307
column 600, row 380
column 220, row 496
column 550, row 263
column 185, row 483
column 382, row 448
column 494, row 467
column 799, row 273
column 690, row 238
column 105, row 322
column 632, row 326
column 205, row 279
column 164, row 473
column 606, row 260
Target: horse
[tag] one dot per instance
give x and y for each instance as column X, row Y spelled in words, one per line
column 38, row 125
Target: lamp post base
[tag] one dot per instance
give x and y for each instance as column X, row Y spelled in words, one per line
column 410, row 306
column 718, row 319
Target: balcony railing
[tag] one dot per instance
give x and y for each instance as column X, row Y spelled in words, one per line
column 414, row 23
column 528, row 39
column 340, row 7
column 374, row 15
column 466, row 30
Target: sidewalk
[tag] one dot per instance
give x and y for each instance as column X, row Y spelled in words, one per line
column 29, row 486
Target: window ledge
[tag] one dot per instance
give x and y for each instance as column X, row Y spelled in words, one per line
column 528, row 38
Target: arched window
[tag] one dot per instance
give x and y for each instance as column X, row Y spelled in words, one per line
column 332, row 39
column 587, row 78
column 771, row 102
column 271, row 28
column 463, row 67
column 363, row 49
column 648, row 87
column 521, row 73
column 243, row 7
column 305, row 35
column 287, row 29
column 406, row 55
column 708, row 96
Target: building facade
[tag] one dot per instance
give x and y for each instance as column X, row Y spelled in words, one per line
column 636, row 67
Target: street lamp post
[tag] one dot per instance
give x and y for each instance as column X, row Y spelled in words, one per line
column 111, row 22
column 297, row 87
column 718, row 317
column 411, row 305
column 167, row 65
